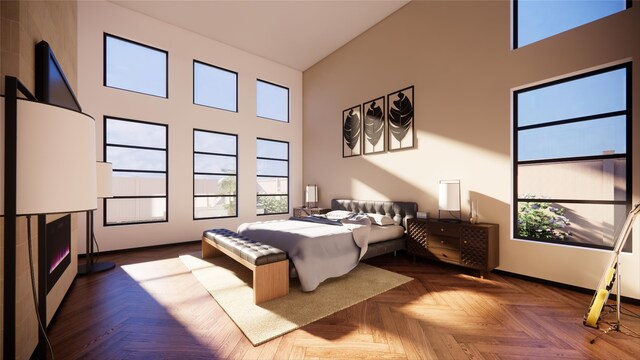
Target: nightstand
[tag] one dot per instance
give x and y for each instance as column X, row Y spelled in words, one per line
column 306, row 211
column 473, row 246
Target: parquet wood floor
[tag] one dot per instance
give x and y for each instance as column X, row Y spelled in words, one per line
column 445, row 313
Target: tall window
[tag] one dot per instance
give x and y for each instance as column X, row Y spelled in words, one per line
column 273, row 177
column 535, row 20
column 272, row 101
column 572, row 151
column 138, row 152
column 215, row 174
column 129, row 65
column 215, row 87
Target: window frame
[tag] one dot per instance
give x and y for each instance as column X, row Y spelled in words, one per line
column 205, row 173
column 288, row 102
column 514, row 21
column 166, row 172
column 219, row 68
column 274, row 176
column 628, row 155
column 104, row 64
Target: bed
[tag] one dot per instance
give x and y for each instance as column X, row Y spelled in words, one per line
column 320, row 251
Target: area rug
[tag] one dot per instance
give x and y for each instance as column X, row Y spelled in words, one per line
column 230, row 285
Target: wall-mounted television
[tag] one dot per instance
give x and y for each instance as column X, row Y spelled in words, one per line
column 52, row 86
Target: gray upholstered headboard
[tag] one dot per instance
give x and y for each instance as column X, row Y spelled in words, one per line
column 398, row 210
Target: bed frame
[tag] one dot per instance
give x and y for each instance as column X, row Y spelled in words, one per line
column 399, row 211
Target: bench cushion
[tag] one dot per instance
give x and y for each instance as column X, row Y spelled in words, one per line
column 253, row 251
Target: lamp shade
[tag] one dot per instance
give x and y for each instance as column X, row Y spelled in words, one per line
column 311, row 193
column 449, row 195
column 56, row 157
column 104, row 173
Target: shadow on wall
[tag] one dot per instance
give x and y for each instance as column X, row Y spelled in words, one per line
column 382, row 184
column 375, row 182
column 490, row 210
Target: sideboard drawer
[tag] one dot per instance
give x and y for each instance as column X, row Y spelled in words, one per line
column 444, row 229
column 446, row 242
column 444, row 254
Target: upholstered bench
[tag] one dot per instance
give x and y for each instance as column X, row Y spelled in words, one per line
column 269, row 264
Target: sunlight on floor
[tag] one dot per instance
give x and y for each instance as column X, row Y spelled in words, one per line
column 171, row 285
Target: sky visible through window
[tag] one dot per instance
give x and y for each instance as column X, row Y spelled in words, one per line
column 138, row 152
column 540, row 19
column 135, row 67
column 272, row 150
column 215, row 175
column 215, row 143
column 272, row 101
column 572, row 150
column 215, row 87
column 593, row 95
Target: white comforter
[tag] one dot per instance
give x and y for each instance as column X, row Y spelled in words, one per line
column 318, row 251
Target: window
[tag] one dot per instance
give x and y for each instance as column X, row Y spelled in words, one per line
column 272, row 101
column 215, row 87
column 535, row 20
column 129, row 65
column 138, row 152
column 273, row 177
column 215, row 175
column 572, row 151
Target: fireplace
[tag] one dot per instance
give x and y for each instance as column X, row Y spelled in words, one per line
column 58, row 249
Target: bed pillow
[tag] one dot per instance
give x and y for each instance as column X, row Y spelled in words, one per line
column 339, row 214
column 380, row 219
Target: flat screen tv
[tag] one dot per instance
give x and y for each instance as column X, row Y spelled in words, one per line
column 52, row 86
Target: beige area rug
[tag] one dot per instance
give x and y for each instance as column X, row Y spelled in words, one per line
column 230, row 285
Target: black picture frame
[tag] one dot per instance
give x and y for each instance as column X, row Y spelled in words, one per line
column 400, row 119
column 351, row 131
column 374, row 126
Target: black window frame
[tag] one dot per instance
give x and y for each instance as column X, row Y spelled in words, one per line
column 288, row 102
column 628, row 155
column 274, row 176
column 166, row 172
column 236, row 156
column 104, row 65
column 514, row 21
column 219, row 68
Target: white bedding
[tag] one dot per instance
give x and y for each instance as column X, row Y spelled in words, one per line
column 382, row 233
column 318, row 251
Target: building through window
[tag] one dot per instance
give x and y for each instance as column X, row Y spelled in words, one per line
column 138, row 152
column 273, row 177
column 572, row 158
column 215, row 174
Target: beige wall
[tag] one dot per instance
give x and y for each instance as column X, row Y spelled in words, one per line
column 458, row 56
column 23, row 24
column 182, row 116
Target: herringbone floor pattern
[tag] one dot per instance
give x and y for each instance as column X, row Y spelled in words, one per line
column 162, row 312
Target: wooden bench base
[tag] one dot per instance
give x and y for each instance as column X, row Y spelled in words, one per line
column 270, row 281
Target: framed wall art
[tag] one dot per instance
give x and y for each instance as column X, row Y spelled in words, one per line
column 351, row 129
column 373, row 139
column 400, row 119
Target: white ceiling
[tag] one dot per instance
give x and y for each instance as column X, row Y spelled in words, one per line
column 293, row 33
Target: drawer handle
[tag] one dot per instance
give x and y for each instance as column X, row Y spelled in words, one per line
column 465, row 241
column 441, row 241
column 444, row 255
column 441, row 229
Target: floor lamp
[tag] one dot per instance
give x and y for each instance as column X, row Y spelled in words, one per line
column 104, row 175
column 43, row 173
